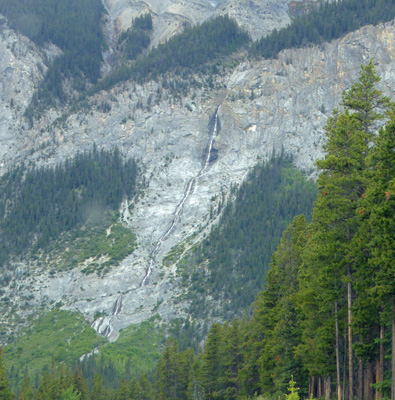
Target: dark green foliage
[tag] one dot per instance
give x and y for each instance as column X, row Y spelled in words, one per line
column 37, row 205
column 72, row 25
column 275, row 314
column 242, row 244
column 137, row 38
column 322, row 24
column 191, row 50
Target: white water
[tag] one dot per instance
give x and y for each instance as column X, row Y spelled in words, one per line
column 109, row 36
column 107, row 321
column 180, row 206
column 97, row 324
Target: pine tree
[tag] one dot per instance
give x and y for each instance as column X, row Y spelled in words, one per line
column 335, row 219
column 278, row 317
column 381, row 206
column 98, row 390
column 365, row 101
column 212, row 363
column 70, row 394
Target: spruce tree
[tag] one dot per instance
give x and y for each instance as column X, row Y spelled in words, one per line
column 279, row 317
column 381, row 207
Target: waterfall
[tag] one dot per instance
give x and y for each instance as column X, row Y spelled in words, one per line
column 106, row 322
column 187, row 193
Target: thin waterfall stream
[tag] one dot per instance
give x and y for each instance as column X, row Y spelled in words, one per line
column 188, row 192
column 103, row 325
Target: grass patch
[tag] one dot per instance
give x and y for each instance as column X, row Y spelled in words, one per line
column 94, row 247
column 57, row 335
column 138, row 348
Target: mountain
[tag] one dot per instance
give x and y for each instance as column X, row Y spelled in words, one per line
column 244, row 109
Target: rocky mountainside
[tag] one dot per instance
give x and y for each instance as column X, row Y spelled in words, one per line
column 244, row 114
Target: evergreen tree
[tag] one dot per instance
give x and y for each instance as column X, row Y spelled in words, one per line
column 70, row 394
column 212, row 363
column 381, row 207
column 98, row 390
column 278, row 317
column 332, row 251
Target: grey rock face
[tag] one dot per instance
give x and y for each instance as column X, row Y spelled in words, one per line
column 265, row 105
column 21, row 68
column 257, row 17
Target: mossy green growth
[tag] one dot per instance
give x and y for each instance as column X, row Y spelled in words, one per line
column 57, row 335
column 174, row 255
column 137, row 349
column 95, row 247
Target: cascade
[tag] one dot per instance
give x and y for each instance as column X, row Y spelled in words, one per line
column 187, row 194
column 103, row 325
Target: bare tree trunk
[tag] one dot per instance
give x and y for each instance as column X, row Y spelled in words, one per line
column 338, row 385
column 378, row 394
column 345, row 392
column 368, row 381
column 312, row 386
column 393, row 351
column 319, row 387
column 381, row 362
column 360, row 380
column 327, row 387
column 350, row 354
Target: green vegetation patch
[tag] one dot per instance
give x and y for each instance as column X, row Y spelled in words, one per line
column 39, row 205
column 95, row 247
column 62, row 336
column 174, row 255
column 138, row 345
column 137, row 38
column 136, row 351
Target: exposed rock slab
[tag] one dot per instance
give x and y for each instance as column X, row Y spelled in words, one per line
column 265, row 105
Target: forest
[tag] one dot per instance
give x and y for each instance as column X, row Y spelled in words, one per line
column 241, row 245
column 38, row 204
column 324, row 327
column 328, row 21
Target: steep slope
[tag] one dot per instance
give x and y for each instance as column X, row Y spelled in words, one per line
column 264, row 105
column 257, row 17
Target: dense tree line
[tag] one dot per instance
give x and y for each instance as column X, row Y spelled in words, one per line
column 188, row 51
column 72, row 25
column 329, row 21
column 241, row 245
column 38, row 204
